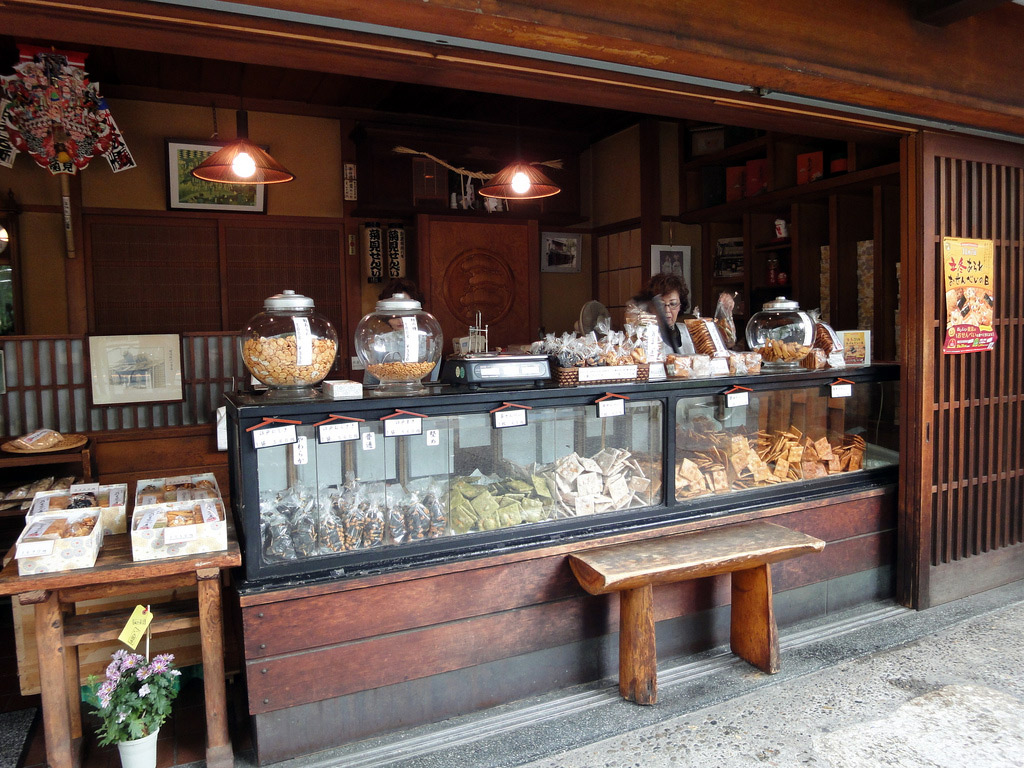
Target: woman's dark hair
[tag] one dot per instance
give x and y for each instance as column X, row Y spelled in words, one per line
column 664, row 282
column 400, row 285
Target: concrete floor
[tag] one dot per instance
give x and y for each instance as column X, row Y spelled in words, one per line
column 877, row 686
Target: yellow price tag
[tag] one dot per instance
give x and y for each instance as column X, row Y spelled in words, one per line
column 136, row 627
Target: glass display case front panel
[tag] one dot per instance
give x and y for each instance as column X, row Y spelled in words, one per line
column 458, row 476
column 782, row 436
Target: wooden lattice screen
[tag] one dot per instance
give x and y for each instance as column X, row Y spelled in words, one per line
column 971, row 448
column 48, row 383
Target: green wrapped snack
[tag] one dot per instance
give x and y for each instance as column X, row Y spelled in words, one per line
column 510, row 514
column 540, row 485
column 518, row 486
column 464, row 519
column 533, row 511
column 489, row 524
column 469, row 490
column 485, row 504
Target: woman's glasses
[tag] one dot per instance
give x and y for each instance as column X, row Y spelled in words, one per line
column 672, row 305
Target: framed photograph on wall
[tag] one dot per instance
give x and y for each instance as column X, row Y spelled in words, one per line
column 672, row 259
column 136, row 369
column 186, row 192
column 561, row 251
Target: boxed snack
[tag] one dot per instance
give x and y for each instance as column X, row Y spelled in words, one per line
column 810, row 167
column 59, row 542
column 110, row 500
column 167, row 490
column 178, row 528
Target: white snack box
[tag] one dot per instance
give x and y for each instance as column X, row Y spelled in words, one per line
column 342, row 389
column 111, row 501
column 38, row 554
column 170, row 490
column 153, row 539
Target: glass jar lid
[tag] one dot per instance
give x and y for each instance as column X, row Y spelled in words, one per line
column 780, row 302
column 288, row 300
column 400, row 302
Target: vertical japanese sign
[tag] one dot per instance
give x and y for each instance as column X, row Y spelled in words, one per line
column 970, row 287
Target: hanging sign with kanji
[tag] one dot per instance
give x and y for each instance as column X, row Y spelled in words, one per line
column 970, row 290
column 49, row 109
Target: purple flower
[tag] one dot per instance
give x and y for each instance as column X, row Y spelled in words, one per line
column 142, row 673
column 106, row 690
column 144, row 691
column 114, row 671
column 161, row 663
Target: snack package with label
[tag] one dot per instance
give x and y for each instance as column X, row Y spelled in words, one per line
column 724, row 319
column 688, row 366
column 707, row 337
column 168, row 490
column 828, row 340
column 110, row 500
column 39, row 440
column 744, row 364
column 180, row 528
column 59, row 542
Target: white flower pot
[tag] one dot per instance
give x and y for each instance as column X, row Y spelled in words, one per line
column 139, row 753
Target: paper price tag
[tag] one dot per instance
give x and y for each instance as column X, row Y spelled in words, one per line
column 34, row 549
column 736, row 399
column 612, row 407
column 403, row 427
column 512, row 417
column 136, row 627
column 176, row 534
column 117, row 496
column 412, row 339
column 300, row 454
column 842, row 390
column 340, row 433
column 267, row 438
column 85, row 488
column 369, row 441
column 433, row 437
column 303, row 341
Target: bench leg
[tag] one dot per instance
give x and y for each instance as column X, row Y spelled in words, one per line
column 638, row 658
column 754, row 635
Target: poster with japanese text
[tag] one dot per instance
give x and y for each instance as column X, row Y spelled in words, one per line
column 970, row 306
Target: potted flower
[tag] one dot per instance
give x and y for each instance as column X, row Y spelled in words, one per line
column 135, row 699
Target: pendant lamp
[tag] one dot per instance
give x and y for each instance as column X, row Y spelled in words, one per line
column 519, row 181
column 242, row 162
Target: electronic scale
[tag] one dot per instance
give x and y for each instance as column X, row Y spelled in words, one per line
column 491, row 369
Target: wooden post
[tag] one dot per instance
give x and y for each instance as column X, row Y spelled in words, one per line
column 211, row 629
column 754, row 635
column 52, row 681
column 638, row 657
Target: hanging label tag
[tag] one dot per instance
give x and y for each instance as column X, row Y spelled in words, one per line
column 267, row 438
column 403, row 427
column 300, row 454
column 210, row 512
column 136, row 627
column 85, row 488
column 613, row 406
column 412, row 339
column 40, row 505
column 736, row 399
column 118, row 496
column 369, row 441
column 34, row 549
column 433, row 437
column 510, row 417
column 339, row 433
column 303, row 341
column 175, row 534
column 842, row 390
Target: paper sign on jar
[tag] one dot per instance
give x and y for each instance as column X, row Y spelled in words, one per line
column 300, row 454
column 412, row 339
column 842, row 389
column 737, row 399
column 136, row 627
column 339, row 433
column 510, row 417
column 267, row 438
column 403, row 427
column 611, row 407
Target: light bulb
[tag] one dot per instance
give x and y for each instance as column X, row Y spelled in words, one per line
column 520, row 183
column 243, row 165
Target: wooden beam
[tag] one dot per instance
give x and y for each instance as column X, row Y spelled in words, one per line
column 941, row 13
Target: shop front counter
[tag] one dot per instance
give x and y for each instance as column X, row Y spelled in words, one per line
column 406, row 558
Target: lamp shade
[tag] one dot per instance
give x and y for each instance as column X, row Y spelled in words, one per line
column 519, row 181
column 242, row 162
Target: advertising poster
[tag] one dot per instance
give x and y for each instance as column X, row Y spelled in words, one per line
column 970, row 290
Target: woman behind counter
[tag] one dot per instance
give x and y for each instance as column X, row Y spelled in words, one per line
column 674, row 296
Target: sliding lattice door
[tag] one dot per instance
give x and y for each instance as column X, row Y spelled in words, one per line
column 963, row 445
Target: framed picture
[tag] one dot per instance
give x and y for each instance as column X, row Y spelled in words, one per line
column 672, row 259
column 135, row 369
column 561, row 251
column 186, row 192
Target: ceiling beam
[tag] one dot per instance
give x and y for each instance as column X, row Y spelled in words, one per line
column 941, row 13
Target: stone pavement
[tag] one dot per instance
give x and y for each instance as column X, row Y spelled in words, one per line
column 877, row 686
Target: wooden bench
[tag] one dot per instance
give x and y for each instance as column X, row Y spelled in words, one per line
column 635, row 568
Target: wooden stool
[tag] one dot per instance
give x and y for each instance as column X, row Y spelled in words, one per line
column 635, row 568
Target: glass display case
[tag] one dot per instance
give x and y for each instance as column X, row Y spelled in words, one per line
column 326, row 488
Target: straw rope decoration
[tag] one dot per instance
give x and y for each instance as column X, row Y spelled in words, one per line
column 557, row 164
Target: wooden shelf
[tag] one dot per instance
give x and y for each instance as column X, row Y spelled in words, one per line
column 847, row 182
column 770, row 247
column 734, row 155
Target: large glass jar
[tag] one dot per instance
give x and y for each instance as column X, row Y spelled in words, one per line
column 288, row 346
column 400, row 344
column 781, row 332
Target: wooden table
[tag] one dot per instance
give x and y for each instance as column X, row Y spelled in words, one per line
column 58, row 637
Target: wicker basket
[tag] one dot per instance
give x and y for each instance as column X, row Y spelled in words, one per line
column 570, row 377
